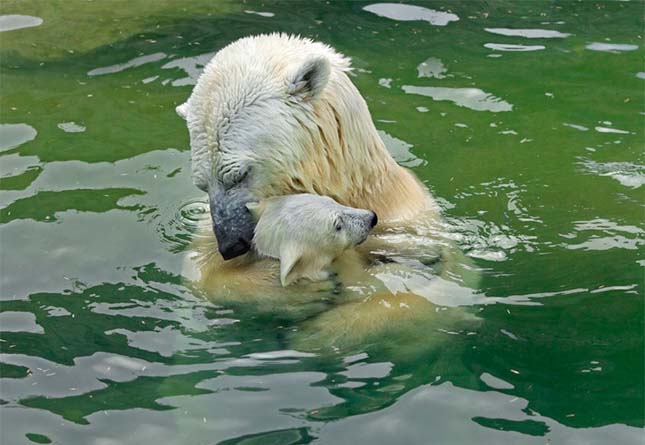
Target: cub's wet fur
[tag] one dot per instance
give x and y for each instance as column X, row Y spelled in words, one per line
column 307, row 233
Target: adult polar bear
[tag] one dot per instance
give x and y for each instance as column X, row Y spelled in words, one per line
column 277, row 114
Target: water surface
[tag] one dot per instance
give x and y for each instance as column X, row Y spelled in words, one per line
column 525, row 119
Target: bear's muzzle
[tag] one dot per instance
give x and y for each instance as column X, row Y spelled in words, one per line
column 233, row 223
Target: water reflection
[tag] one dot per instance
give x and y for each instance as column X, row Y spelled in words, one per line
column 405, row 13
column 401, row 151
column 260, row 13
column 17, row 21
column 454, row 415
column 510, row 47
column 626, row 173
column 192, row 66
column 529, row 33
column 611, row 47
column 19, row 322
column 14, row 135
column 610, row 130
column 472, row 98
column 616, row 236
column 576, row 126
column 117, row 348
column 137, row 61
column 71, row 127
column 129, row 192
column 432, row 67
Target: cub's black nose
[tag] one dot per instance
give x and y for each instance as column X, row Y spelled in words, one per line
column 374, row 220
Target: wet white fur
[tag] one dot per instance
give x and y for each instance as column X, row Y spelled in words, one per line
column 306, row 233
column 281, row 111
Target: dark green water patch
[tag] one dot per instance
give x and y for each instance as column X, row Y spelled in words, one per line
column 530, row 427
column 119, row 396
column 21, row 181
column 45, row 205
column 38, row 438
column 8, row 371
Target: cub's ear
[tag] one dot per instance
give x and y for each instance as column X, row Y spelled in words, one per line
column 256, row 209
column 310, row 78
column 290, row 262
column 182, row 110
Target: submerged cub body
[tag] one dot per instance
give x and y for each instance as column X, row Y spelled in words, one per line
column 307, row 232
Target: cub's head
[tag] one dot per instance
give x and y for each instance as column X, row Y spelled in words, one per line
column 251, row 117
column 307, row 232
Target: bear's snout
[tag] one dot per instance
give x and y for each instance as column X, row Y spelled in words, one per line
column 235, row 249
column 233, row 223
column 374, row 220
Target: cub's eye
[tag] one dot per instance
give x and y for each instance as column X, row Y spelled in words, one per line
column 339, row 226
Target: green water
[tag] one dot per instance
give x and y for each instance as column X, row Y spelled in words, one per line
column 539, row 168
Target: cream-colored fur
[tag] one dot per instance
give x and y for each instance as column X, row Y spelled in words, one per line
column 281, row 112
column 246, row 109
column 306, row 233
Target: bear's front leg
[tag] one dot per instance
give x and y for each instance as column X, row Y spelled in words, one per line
column 321, row 281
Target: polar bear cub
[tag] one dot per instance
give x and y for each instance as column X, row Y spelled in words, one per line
column 307, row 232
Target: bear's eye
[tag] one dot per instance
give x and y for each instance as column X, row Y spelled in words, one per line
column 233, row 174
column 339, row 226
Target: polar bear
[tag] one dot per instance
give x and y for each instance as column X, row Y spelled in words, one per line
column 275, row 115
column 307, row 233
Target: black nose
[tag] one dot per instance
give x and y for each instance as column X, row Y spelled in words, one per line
column 235, row 249
column 374, row 220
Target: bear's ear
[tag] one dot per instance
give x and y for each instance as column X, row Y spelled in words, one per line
column 290, row 258
column 182, row 110
column 256, row 209
column 310, row 78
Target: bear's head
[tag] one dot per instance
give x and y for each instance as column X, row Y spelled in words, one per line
column 307, row 232
column 274, row 115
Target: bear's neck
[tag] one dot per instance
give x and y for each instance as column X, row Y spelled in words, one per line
column 381, row 185
column 393, row 193
column 349, row 162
